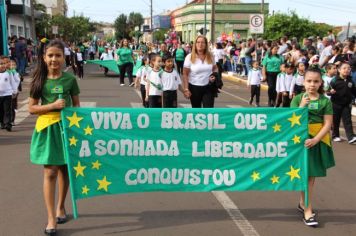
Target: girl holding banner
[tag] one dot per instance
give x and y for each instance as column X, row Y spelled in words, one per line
column 51, row 90
column 320, row 152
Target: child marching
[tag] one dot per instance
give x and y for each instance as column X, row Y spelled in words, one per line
column 51, row 90
column 170, row 83
column 319, row 143
column 254, row 82
column 154, row 83
column 140, row 82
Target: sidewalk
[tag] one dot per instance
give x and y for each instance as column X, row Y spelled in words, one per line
column 243, row 80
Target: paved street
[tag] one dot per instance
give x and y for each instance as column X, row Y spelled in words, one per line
column 22, row 210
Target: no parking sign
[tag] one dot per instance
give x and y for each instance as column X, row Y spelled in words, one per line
column 256, row 24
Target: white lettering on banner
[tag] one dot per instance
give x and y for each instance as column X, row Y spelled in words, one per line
column 85, row 149
column 143, row 121
column 111, row 120
column 175, row 120
column 178, row 176
column 128, row 147
column 219, row 149
column 250, row 121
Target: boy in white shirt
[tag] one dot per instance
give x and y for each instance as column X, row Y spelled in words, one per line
column 171, row 81
column 154, row 83
column 8, row 88
column 254, row 82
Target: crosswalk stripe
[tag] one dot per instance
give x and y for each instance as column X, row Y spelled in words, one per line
column 234, row 106
column 136, row 104
column 87, row 104
column 185, row 105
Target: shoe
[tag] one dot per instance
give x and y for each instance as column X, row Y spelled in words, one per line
column 122, row 85
column 353, row 140
column 132, row 84
column 337, row 139
column 250, row 102
column 8, row 128
column 50, row 232
column 301, row 210
column 312, row 222
column 257, row 105
column 61, row 220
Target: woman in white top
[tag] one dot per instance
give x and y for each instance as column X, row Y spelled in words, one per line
column 199, row 79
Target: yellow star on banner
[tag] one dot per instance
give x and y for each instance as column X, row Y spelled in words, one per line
column 277, row 128
column 73, row 141
column 103, row 184
column 296, row 139
column 74, row 120
column 88, row 130
column 295, row 120
column 85, row 190
column 79, row 169
column 274, row 179
column 293, row 173
column 96, row 165
column 255, row 176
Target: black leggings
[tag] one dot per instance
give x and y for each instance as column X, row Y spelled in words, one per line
column 126, row 68
column 271, row 81
column 201, row 96
column 180, row 66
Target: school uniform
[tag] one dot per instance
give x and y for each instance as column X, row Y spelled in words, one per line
column 279, row 86
column 297, row 86
column 79, row 61
column 321, row 156
column 254, row 80
column 8, row 87
column 47, row 144
column 154, row 78
column 341, row 102
column 170, row 83
column 141, row 75
column 105, row 56
column 326, row 84
column 16, row 78
column 287, row 81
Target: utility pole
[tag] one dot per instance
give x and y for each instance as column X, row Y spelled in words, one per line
column 24, row 18
column 33, row 29
column 152, row 33
column 262, row 7
column 348, row 30
column 204, row 31
column 212, row 28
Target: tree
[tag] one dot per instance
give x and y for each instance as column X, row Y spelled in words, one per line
column 159, row 35
column 292, row 25
column 135, row 19
column 121, row 27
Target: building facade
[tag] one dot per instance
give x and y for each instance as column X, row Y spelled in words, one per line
column 19, row 18
column 231, row 18
column 55, row 7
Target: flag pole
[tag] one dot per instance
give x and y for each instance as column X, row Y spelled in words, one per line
column 69, row 166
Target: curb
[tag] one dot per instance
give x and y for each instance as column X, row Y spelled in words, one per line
column 237, row 79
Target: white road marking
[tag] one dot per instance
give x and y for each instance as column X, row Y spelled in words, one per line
column 24, row 101
column 185, row 105
column 136, row 104
column 236, row 215
column 234, row 106
column 232, row 95
column 87, row 104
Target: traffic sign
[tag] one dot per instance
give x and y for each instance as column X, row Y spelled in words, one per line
column 256, row 23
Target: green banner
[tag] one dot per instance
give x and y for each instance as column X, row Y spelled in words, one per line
column 125, row 150
column 112, row 65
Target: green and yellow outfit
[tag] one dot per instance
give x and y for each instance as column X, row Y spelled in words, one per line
column 46, row 143
column 321, row 156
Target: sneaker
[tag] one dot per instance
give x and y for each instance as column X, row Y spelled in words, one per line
column 250, row 102
column 301, row 210
column 337, row 139
column 312, row 222
column 132, row 84
column 257, row 105
column 353, row 140
column 122, row 85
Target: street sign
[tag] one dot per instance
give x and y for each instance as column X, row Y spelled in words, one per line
column 256, row 24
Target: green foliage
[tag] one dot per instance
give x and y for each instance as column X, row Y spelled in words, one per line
column 73, row 29
column 125, row 25
column 292, row 25
column 159, row 35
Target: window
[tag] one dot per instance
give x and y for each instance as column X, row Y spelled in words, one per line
column 13, row 30
column 20, row 30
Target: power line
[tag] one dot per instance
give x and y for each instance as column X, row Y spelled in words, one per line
column 323, row 6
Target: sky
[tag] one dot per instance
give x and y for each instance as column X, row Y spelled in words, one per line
column 328, row 11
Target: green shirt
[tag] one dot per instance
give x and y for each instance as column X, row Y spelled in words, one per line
column 101, row 49
column 316, row 109
column 125, row 55
column 180, row 54
column 66, row 85
column 272, row 63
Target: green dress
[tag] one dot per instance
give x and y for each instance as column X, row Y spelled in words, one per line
column 47, row 145
column 321, row 156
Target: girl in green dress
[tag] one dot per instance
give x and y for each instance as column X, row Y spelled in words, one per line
column 319, row 143
column 51, row 90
